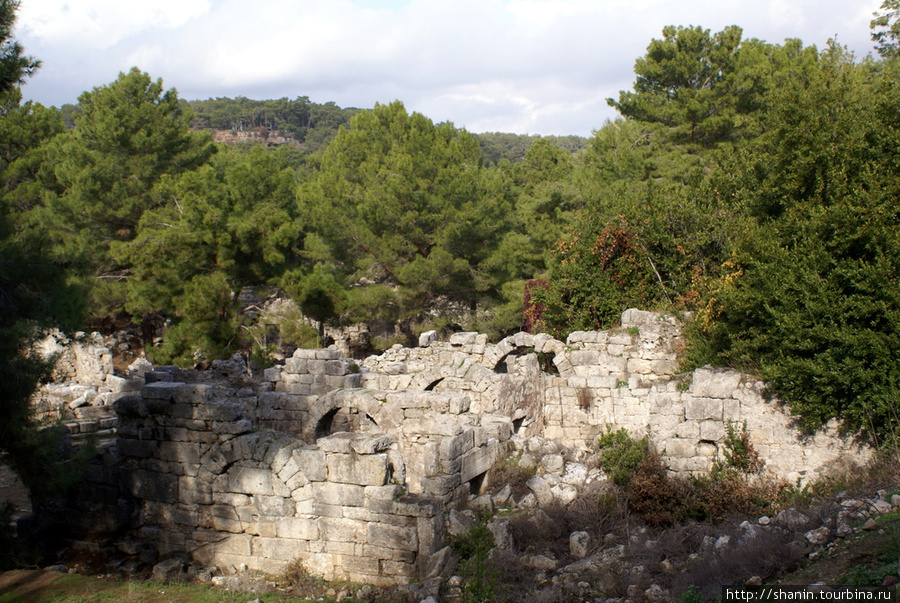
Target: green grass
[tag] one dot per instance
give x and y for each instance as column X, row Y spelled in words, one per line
column 75, row 588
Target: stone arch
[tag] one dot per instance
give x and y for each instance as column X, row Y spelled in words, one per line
column 332, row 402
column 427, row 379
column 541, row 344
column 252, row 467
column 264, row 447
column 430, row 387
column 250, row 481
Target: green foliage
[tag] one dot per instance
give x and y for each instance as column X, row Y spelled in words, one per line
column 708, row 90
column 497, row 147
column 310, row 123
column 15, row 67
column 691, row 595
column 34, row 290
column 318, row 294
column 205, row 328
column 641, row 241
column 749, row 182
column 660, row 499
column 739, row 451
column 860, row 575
column 809, row 301
column 98, row 179
column 595, row 279
column 620, row 455
column 479, row 576
column 230, row 224
column 886, row 29
column 680, row 83
column 400, row 201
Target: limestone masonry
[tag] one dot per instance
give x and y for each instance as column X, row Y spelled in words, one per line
column 353, row 466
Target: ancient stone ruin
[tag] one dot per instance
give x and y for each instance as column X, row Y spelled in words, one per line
column 354, row 466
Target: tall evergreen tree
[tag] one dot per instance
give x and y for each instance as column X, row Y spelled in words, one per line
column 400, row 202
column 229, row 224
column 101, row 174
column 810, row 300
column 15, row 67
column 33, row 289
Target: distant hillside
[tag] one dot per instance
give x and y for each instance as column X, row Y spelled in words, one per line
column 310, row 124
column 498, row 145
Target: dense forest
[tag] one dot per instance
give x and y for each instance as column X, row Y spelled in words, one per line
column 749, row 183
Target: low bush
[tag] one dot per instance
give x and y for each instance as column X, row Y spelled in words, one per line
column 509, row 471
column 728, row 493
column 480, row 576
column 739, row 451
column 659, row 499
column 620, row 455
column 296, row 576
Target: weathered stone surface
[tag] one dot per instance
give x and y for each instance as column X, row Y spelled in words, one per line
column 819, row 536
column 392, row 537
column 161, row 390
column 363, row 470
column 580, row 544
column 541, row 490
column 312, row 463
column 338, row 494
column 168, row 570
column 701, row 409
column 213, row 476
column 371, row 444
column 715, row 383
column 477, row 461
column 149, row 485
column 250, row 480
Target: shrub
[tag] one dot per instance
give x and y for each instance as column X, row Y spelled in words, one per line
column 509, row 471
column 726, row 493
column 296, row 576
column 691, row 595
column 479, row 574
column 660, row 499
column 620, row 455
column 739, row 451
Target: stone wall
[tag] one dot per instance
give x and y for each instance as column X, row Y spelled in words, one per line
column 351, row 467
column 84, row 384
column 573, row 391
column 210, row 484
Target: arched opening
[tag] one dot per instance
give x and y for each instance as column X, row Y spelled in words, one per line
column 545, row 361
column 323, row 427
column 517, row 424
column 342, row 419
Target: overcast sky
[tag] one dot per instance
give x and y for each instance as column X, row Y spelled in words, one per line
column 525, row 66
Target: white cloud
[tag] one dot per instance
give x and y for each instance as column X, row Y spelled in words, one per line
column 541, row 66
column 785, row 12
column 102, row 23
